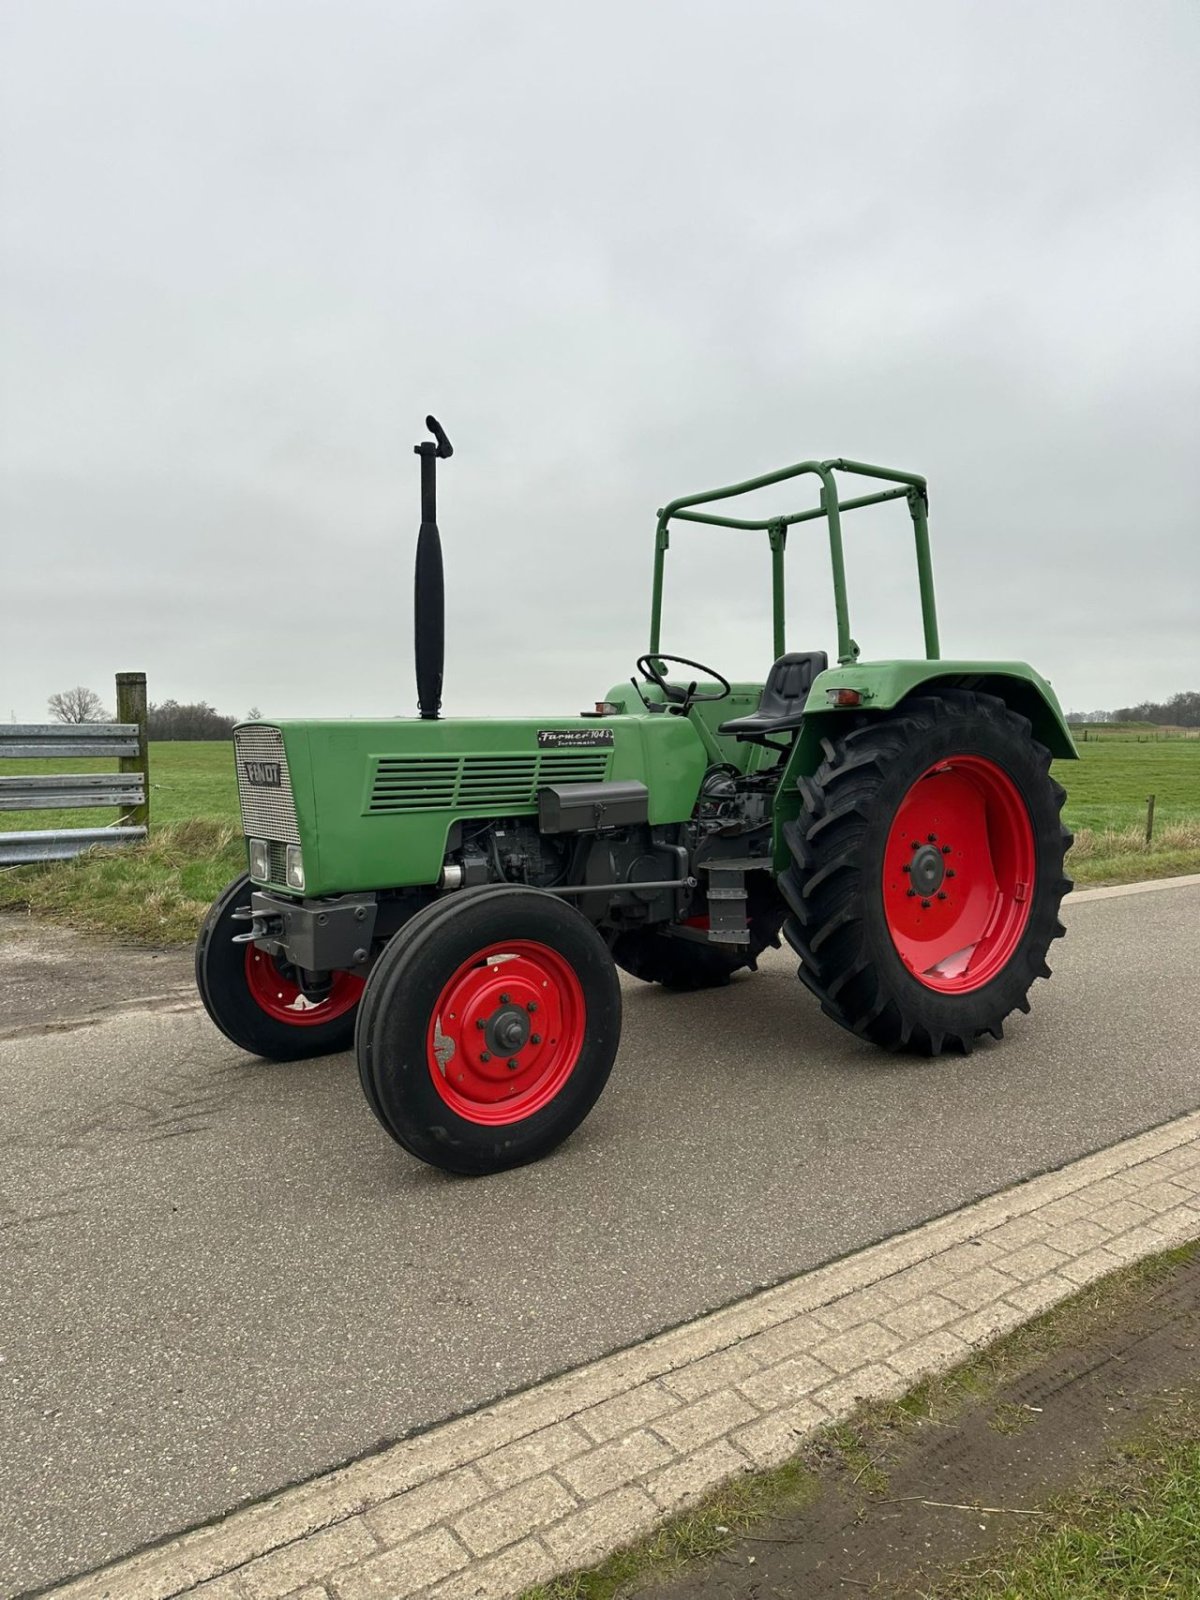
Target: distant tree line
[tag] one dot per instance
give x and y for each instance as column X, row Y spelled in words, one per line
column 197, row 720
column 170, row 720
column 1180, row 711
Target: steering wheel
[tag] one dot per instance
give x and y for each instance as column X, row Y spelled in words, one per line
column 677, row 696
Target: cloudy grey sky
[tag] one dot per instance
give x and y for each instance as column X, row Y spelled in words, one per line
column 623, row 251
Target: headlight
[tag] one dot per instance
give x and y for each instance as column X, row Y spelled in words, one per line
column 260, row 868
column 295, row 867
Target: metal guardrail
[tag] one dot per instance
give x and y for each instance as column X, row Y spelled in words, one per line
column 60, row 844
column 62, row 791
column 56, row 740
column 128, row 789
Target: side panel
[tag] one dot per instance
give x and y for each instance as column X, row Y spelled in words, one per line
column 884, row 684
column 709, row 715
column 376, row 800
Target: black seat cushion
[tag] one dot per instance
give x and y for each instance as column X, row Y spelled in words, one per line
column 782, row 704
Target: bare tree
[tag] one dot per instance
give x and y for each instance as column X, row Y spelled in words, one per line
column 77, row 705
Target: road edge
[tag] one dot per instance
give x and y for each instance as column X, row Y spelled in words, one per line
column 1113, row 891
column 560, row 1475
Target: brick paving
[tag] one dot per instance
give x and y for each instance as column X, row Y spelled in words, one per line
column 555, row 1478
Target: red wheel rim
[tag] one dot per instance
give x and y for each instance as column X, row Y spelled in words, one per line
column 286, row 1002
column 958, row 874
column 506, row 1032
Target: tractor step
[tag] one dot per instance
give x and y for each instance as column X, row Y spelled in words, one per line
column 727, row 921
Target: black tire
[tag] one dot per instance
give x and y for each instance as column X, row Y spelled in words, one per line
column 686, row 963
column 834, row 886
column 401, row 1004
column 224, row 989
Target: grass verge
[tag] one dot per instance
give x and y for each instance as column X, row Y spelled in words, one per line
column 1133, row 1534
column 1120, row 855
column 156, row 893
column 1156, row 1474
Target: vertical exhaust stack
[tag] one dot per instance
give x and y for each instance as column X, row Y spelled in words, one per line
column 429, row 593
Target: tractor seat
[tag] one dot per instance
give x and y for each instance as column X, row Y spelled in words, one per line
column 781, row 707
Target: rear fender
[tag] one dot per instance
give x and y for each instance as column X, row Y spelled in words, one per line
column 885, row 685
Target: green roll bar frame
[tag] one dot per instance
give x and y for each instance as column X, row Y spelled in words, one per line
column 912, row 487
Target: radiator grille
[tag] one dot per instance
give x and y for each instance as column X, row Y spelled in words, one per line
column 444, row 783
column 268, row 811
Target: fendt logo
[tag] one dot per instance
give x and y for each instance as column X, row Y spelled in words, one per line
column 264, row 774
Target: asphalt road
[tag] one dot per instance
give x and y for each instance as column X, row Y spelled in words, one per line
column 217, row 1276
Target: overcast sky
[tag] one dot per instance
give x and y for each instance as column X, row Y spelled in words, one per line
column 624, row 252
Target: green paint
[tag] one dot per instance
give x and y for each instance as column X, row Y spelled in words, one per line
column 912, row 488
column 452, row 770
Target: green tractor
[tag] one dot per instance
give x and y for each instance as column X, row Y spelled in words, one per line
column 453, row 897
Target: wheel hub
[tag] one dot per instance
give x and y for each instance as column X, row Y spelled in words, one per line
column 927, row 870
column 507, row 1029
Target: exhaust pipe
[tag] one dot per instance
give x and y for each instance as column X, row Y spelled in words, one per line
column 429, row 593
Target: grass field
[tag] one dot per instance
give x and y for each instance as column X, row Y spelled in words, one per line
column 160, row 891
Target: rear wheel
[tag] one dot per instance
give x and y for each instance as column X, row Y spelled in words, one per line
column 927, row 873
column 488, row 1029
column 257, row 1001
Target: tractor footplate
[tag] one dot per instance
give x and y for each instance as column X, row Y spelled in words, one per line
column 727, row 920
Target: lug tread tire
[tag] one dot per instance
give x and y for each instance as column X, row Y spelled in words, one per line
column 832, row 881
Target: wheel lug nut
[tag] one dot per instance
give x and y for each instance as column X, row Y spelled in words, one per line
column 480, row 1022
column 949, row 872
column 535, row 1038
column 512, row 1063
column 925, row 905
column 945, row 849
column 932, row 837
column 503, row 999
column 532, row 1006
column 906, row 867
column 911, row 893
column 941, row 894
column 485, row 1055
column 915, row 845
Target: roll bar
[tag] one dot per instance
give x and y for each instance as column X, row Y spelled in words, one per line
column 912, row 488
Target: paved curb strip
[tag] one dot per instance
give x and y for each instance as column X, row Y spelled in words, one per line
column 1115, row 891
column 556, row 1477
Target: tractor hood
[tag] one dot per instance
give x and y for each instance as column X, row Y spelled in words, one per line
column 388, row 793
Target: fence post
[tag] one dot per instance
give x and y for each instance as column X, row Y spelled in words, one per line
column 1149, row 819
column 131, row 707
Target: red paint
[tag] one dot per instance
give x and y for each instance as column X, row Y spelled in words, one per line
column 284, row 1000
column 957, row 944
column 535, row 978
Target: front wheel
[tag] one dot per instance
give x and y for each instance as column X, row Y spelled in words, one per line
column 927, row 872
column 256, row 1000
column 488, row 1029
